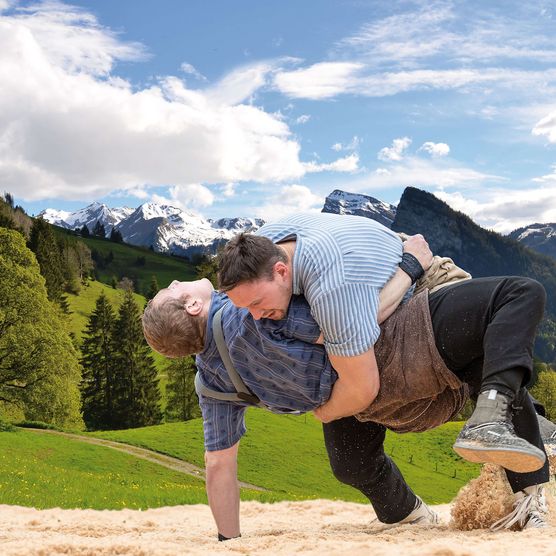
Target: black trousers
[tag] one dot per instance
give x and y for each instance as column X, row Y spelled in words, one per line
column 484, row 330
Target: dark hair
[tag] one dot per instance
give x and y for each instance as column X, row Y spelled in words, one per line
column 245, row 258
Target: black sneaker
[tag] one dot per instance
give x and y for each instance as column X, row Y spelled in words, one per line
column 489, row 437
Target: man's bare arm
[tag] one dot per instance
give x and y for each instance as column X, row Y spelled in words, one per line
column 356, row 388
column 223, row 489
column 393, row 292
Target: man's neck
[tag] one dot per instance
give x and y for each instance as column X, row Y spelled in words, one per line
column 289, row 248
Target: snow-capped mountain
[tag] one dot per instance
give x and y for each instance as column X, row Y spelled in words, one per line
column 164, row 228
column 89, row 216
column 341, row 202
column 539, row 237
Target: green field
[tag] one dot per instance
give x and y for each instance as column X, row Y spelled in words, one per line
column 286, row 455
column 45, row 471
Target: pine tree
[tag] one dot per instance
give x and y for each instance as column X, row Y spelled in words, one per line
column 207, row 267
column 43, row 243
column 99, row 230
column 97, row 386
column 137, row 395
column 153, row 288
column 85, row 231
column 116, row 236
column 183, row 403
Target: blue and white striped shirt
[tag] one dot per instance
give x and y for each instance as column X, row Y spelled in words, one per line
column 340, row 264
column 277, row 360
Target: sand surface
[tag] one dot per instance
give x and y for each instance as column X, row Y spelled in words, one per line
column 317, row 527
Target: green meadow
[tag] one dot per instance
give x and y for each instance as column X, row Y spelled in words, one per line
column 283, row 454
column 286, row 455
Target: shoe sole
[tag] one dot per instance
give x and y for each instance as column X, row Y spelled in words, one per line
column 514, row 460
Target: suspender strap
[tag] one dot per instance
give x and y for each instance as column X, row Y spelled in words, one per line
column 243, row 392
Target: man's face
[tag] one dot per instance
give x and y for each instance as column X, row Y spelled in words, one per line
column 178, row 290
column 264, row 299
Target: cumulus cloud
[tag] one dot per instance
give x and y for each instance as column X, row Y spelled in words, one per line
column 435, row 149
column 191, row 70
column 504, row 210
column 348, row 163
column 70, row 129
column 291, row 198
column 395, row 152
column 186, row 197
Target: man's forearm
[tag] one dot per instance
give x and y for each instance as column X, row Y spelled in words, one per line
column 356, row 388
column 342, row 403
column 223, row 497
column 394, row 290
column 392, row 294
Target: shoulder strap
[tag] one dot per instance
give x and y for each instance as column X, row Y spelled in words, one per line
column 243, row 393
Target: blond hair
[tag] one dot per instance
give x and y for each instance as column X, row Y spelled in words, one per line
column 170, row 330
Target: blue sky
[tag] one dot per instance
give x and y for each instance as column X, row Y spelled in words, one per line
column 253, row 108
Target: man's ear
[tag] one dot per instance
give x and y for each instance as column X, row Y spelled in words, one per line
column 193, row 306
column 281, row 268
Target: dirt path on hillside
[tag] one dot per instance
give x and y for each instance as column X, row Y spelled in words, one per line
column 161, row 459
column 310, row 528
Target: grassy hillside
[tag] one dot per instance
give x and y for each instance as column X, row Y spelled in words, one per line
column 286, row 454
column 136, row 263
column 82, row 305
column 46, row 471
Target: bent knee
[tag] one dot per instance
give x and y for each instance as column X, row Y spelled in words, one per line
column 535, row 294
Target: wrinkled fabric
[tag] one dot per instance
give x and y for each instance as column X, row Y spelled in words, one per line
column 443, row 272
column 417, row 390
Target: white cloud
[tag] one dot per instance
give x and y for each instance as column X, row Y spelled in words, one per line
column 439, row 30
column 336, row 78
column 70, row 130
column 546, row 127
column 191, row 70
column 423, row 173
column 348, row 163
column 440, row 46
column 191, row 195
column 353, row 145
column 319, row 81
column 504, row 210
column 395, row 152
column 228, row 190
column 187, row 197
column 291, row 198
column 303, row 119
column 435, row 149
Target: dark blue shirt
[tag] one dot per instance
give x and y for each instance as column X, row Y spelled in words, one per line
column 277, row 360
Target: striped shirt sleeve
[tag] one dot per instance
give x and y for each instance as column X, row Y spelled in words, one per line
column 223, row 423
column 347, row 317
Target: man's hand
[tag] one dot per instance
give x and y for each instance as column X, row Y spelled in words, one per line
column 418, row 247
